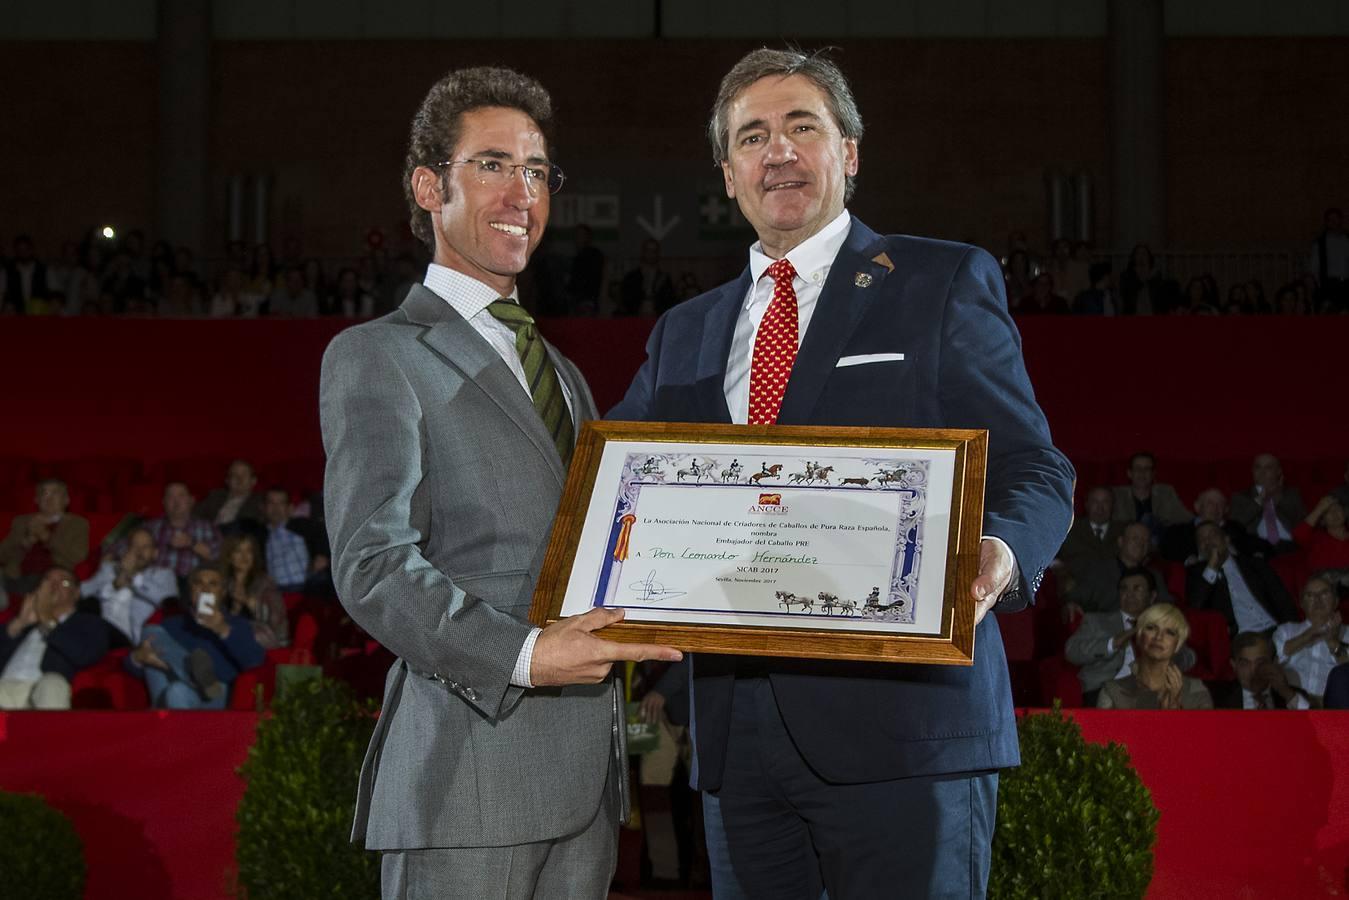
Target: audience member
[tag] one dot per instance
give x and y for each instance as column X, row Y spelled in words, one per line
column 1069, row 268
column 1261, row 682
column 1103, row 645
column 647, row 290
column 287, row 554
column 1143, row 500
column 585, row 285
column 1019, row 272
column 49, row 537
column 1269, row 509
column 43, row 647
column 1097, row 589
column 1200, row 298
column 1094, row 537
column 347, row 298
column 1143, row 290
column 130, row 588
column 235, row 502
column 1330, row 262
column 1178, row 541
column 262, row 278
column 1156, row 681
column 251, row 593
column 291, row 298
column 182, row 300
column 234, row 299
column 1337, row 688
column 189, row 661
column 1099, row 298
column 1042, row 300
column 25, row 276
column 1324, row 539
column 1311, row 648
column 182, row 541
column 1341, row 491
column 1244, row 589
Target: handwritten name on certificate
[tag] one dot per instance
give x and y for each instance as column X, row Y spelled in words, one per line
column 838, row 537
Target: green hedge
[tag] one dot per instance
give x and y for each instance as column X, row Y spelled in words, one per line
column 41, row 856
column 1074, row 820
column 295, row 815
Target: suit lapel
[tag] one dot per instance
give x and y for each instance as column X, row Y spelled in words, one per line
column 458, row 345
column 843, row 303
column 715, row 349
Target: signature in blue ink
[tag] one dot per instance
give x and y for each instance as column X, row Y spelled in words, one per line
column 650, row 590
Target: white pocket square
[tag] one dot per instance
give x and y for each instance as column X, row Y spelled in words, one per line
column 868, row 358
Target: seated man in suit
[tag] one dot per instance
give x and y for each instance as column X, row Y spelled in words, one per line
column 1143, row 500
column 49, row 537
column 1178, row 541
column 190, row 661
column 1269, row 509
column 1103, row 644
column 130, row 588
column 43, row 647
column 1243, row 588
column 1094, row 537
column 1261, row 682
column 1097, row 589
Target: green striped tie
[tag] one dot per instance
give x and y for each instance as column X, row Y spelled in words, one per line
column 540, row 375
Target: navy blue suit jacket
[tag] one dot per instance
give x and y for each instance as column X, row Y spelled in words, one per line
column 942, row 305
column 77, row 643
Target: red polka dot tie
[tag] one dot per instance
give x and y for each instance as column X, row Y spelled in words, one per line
column 774, row 348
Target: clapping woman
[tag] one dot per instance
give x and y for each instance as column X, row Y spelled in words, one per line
column 1157, row 682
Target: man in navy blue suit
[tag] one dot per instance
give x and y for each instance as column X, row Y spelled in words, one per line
column 869, row 779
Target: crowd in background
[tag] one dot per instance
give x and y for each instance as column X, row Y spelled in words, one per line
column 127, row 276
column 195, row 595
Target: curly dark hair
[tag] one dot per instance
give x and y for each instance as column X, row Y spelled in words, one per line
column 436, row 124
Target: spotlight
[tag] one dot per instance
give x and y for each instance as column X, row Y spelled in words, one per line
column 108, row 232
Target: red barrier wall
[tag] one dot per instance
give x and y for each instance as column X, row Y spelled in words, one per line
column 1190, row 389
column 1253, row 804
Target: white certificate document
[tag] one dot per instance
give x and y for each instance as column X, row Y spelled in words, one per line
column 835, row 538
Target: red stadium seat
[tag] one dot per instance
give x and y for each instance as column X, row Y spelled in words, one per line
column 106, row 685
column 1058, row 681
column 1211, row 644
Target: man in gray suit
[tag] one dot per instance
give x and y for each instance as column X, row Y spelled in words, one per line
column 1103, row 644
column 497, row 767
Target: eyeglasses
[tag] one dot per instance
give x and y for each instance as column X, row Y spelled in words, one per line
column 498, row 173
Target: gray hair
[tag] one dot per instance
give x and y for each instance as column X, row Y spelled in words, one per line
column 436, row 125
column 763, row 63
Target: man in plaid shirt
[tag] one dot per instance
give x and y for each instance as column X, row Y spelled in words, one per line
column 183, row 541
column 287, row 555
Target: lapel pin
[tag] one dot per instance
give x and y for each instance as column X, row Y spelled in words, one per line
column 862, row 279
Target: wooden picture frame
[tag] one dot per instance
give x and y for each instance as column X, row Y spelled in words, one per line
column 928, row 482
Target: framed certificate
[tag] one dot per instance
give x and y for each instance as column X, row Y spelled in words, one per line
column 833, row 543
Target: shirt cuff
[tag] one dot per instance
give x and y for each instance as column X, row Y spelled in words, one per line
column 1210, row 575
column 520, row 677
column 1016, row 566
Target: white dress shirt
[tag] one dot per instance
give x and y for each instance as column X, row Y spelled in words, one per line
column 812, row 260
column 1311, row 664
column 1127, row 667
column 26, row 662
column 1248, row 612
column 470, row 298
column 127, row 609
column 1251, row 700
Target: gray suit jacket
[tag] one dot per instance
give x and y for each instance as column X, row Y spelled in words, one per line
column 440, row 491
column 1089, row 648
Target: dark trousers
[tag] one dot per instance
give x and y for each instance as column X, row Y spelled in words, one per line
column 789, row 833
